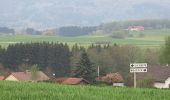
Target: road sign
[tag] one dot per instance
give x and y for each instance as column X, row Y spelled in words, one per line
column 138, row 65
column 137, row 68
column 132, row 70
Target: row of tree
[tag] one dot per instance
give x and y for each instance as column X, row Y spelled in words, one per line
column 32, row 31
column 115, row 28
column 52, row 57
column 148, row 24
column 6, row 30
column 58, row 58
column 75, row 30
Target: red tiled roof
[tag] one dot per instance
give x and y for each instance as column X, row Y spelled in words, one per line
column 115, row 77
column 27, row 76
column 112, row 77
column 136, row 27
column 2, row 77
column 71, row 81
column 158, row 73
column 60, row 80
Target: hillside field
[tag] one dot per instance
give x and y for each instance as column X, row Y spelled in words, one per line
column 49, row 91
column 152, row 39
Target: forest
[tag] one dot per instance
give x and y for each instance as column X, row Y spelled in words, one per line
column 60, row 59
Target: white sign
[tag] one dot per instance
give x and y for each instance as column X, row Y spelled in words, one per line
column 137, row 68
column 132, row 65
column 132, row 70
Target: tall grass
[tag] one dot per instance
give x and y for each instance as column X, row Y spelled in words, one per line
column 47, row 91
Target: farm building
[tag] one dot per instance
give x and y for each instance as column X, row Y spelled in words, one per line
column 2, row 78
column 71, row 81
column 136, row 28
column 114, row 78
column 27, row 76
column 159, row 74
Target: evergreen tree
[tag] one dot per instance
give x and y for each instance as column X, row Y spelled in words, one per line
column 85, row 68
column 2, row 51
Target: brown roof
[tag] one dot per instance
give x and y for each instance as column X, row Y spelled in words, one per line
column 71, row 81
column 112, row 77
column 60, row 80
column 157, row 72
column 27, row 76
column 2, row 77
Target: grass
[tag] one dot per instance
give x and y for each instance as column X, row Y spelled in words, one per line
column 47, row 91
column 153, row 38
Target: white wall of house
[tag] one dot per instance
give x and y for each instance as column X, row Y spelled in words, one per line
column 167, row 83
column 159, row 85
column 11, row 78
column 118, row 84
column 163, row 85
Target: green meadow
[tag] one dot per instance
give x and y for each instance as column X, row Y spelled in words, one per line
column 49, row 91
column 152, row 39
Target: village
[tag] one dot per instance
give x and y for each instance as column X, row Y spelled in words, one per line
column 154, row 76
column 160, row 78
column 84, row 50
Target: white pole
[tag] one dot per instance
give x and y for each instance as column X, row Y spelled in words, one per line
column 134, row 79
column 98, row 71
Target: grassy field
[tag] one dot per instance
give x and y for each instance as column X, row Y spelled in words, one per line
column 153, row 38
column 47, row 91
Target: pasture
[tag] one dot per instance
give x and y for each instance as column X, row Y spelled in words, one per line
column 152, row 39
column 49, row 91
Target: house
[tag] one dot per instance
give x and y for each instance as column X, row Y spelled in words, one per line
column 114, row 78
column 27, row 76
column 2, row 78
column 136, row 28
column 160, row 75
column 71, row 81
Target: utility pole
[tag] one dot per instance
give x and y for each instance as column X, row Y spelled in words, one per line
column 134, row 79
column 98, row 71
column 137, row 68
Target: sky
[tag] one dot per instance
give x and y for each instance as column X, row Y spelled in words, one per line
column 57, row 13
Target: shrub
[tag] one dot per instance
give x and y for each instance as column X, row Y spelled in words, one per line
column 146, row 83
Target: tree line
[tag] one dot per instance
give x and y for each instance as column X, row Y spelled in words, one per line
column 62, row 60
column 148, row 24
column 52, row 57
column 115, row 28
column 75, row 30
column 6, row 30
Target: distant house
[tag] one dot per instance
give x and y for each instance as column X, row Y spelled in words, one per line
column 27, row 76
column 160, row 75
column 136, row 28
column 114, row 78
column 71, row 81
column 2, row 78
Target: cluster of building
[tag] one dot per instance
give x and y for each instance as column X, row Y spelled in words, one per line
column 136, row 28
column 159, row 74
column 27, row 76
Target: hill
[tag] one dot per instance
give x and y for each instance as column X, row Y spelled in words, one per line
column 47, row 91
column 55, row 13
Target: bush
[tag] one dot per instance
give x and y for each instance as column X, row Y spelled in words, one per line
column 101, row 83
column 141, row 35
column 146, row 83
column 120, row 34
